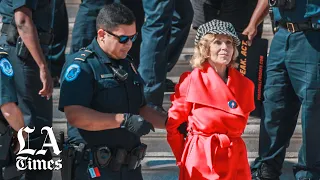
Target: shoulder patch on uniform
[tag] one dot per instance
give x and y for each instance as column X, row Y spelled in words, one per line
column 72, row 72
column 6, row 67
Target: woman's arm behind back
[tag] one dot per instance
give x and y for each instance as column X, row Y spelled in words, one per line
column 177, row 114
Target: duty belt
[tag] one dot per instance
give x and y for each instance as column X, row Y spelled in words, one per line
column 114, row 158
column 296, row 27
column 45, row 38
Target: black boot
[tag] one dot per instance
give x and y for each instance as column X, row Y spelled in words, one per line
column 265, row 172
column 170, row 85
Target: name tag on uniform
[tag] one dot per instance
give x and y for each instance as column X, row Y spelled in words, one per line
column 104, row 76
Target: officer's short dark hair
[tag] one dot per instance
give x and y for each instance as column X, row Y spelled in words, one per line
column 112, row 15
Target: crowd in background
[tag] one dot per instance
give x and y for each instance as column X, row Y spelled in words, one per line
column 163, row 28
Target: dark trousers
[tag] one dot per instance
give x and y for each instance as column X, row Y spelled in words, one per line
column 84, row 29
column 2, row 178
column 61, row 33
column 234, row 11
column 293, row 79
column 164, row 34
column 37, row 110
column 9, row 161
column 81, row 173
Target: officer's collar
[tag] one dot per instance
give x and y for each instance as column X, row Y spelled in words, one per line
column 102, row 55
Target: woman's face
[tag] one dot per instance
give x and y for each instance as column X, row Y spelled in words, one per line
column 221, row 50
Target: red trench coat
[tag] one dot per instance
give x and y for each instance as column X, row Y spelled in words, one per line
column 217, row 115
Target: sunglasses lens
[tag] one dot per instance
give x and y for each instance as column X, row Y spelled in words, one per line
column 123, row 39
column 134, row 37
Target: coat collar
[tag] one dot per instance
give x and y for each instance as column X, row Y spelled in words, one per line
column 207, row 88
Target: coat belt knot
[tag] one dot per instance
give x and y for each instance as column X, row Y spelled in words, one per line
column 223, row 141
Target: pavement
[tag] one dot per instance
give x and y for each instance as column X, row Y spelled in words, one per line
column 165, row 169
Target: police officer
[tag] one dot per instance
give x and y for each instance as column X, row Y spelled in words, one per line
column 10, row 113
column 293, row 80
column 102, row 95
column 25, row 34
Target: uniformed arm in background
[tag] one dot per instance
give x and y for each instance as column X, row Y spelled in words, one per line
column 29, row 35
column 13, row 115
column 8, row 98
column 177, row 115
column 260, row 12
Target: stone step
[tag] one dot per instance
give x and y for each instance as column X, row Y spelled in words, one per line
column 189, row 43
column 72, row 1
column 157, row 140
column 251, row 131
column 73, row 6
column 166, row 104
column 188, row 47
column 59, row 118
column 158, row 146
column 162, row 168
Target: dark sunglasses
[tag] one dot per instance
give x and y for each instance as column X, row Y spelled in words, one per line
column 124, row 39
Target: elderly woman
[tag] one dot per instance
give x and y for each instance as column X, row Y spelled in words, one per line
column 215, row 100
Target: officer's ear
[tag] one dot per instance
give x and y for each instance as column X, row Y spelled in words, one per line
column 101, row 34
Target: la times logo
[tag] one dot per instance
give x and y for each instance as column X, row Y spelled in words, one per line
column 25, row 162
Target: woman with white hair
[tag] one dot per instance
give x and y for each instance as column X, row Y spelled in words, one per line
column 215, row 100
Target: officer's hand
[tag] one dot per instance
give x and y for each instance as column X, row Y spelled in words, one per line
column 47, row 83
column 183, row 129
column 136, row 124
column 251, row 32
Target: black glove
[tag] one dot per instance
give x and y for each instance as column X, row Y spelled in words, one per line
column 183, row 129
column 136, row 124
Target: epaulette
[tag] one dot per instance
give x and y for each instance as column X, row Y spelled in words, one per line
column 2, row 51
column 133, row 66
column 83, row 54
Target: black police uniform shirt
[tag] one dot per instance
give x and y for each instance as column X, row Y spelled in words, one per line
column 87, row 80
column 41, row 12
column 305, row 10
column 7, row 89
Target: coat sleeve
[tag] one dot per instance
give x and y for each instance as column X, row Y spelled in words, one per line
column 177, row 114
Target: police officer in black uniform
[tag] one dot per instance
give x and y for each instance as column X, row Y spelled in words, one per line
column 102, row 95
column 293, row 81
column 10, row 115
column 25, row 34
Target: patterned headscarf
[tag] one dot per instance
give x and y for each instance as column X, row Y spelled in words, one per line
column 217, row 27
